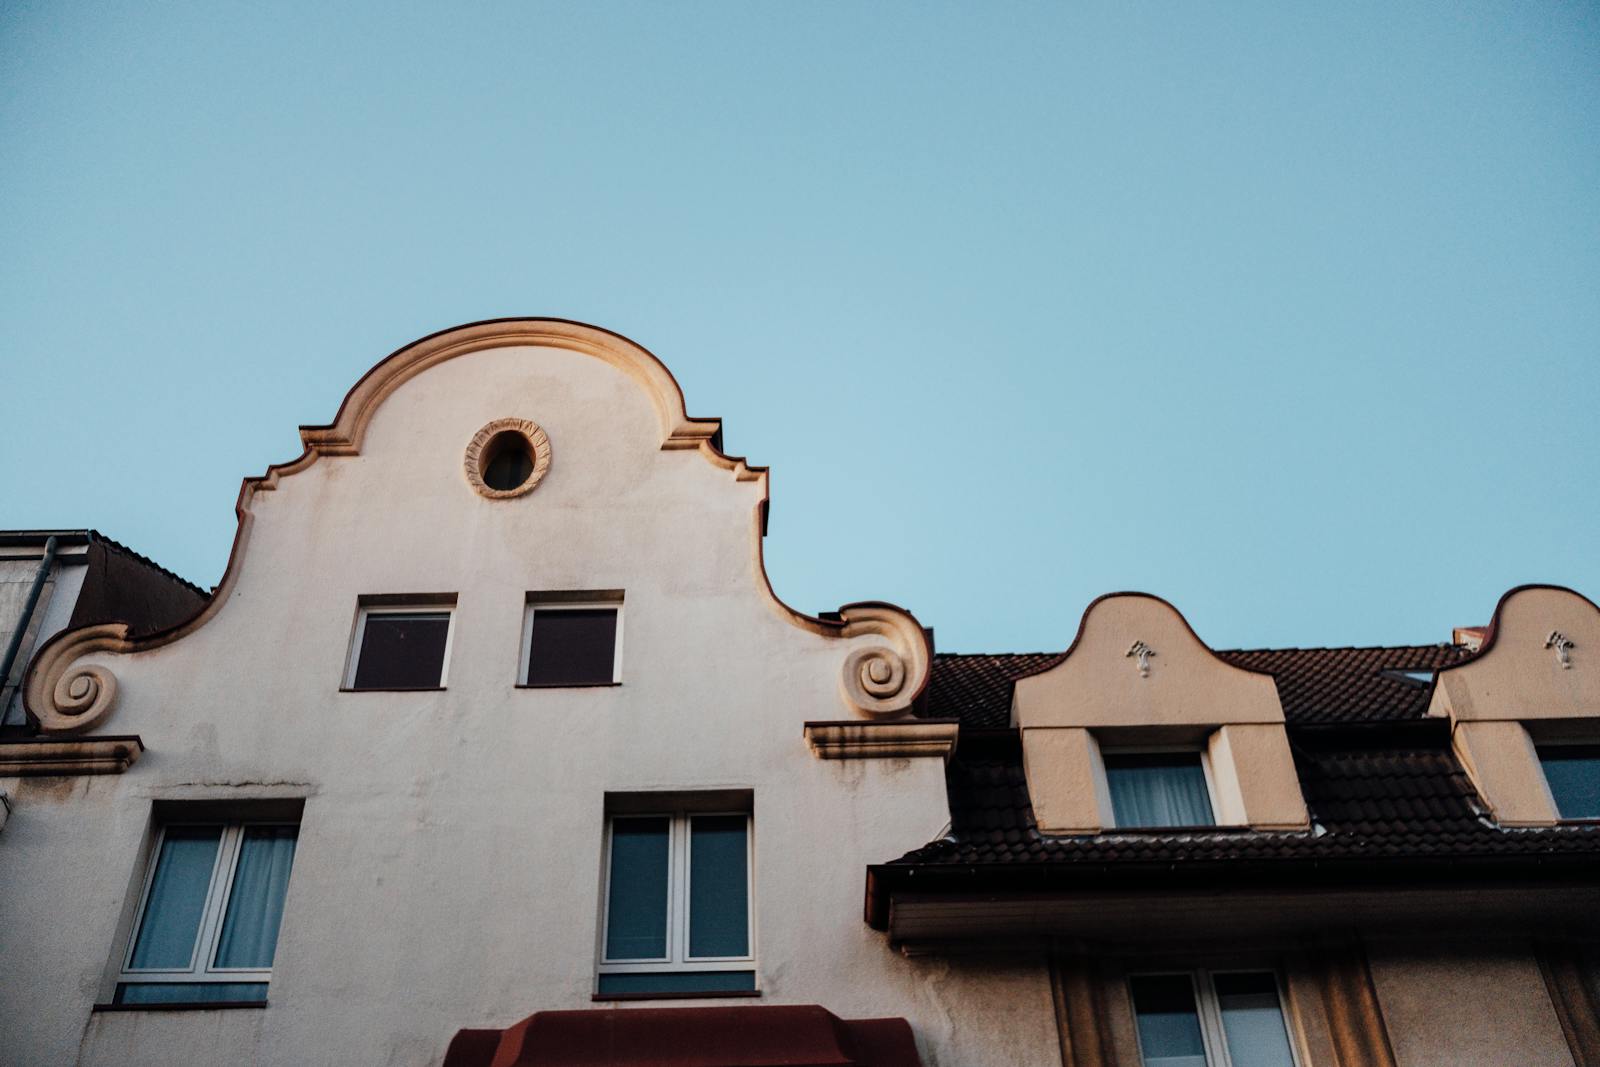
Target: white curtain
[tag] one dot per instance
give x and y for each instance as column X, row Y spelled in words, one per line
column 255, row 905
column 1158, row 791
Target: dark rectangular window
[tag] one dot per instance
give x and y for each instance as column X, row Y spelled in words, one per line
column 1573, row 772
column 401, row 650
column 571, row 646
column 1158, row 789
column 1211, row 1019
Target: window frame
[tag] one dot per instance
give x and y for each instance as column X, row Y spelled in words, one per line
column 1539, row 750
column 219, row 891
column 1200, row 749
column 364, row 611
column 537, row 603
column 679, row 845
column 1208, row 1008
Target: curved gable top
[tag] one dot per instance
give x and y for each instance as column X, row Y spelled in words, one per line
column 1540, row 660
column 881, row 676
column 1136, row 661
column 344, row 434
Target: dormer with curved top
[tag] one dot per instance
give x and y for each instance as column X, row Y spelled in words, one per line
column 1138, row 697
column 1525, row 711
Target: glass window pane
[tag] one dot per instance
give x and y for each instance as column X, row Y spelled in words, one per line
column 1573, row 772
column 719, row 889
column 255, row 902
column 177, row 900
column 402, row 650
column 189, row 992
column 1252, row 1020
column 679, row 982
column 575, row 646
column 1158, row 789
column 1169, row 1027
column 636, row 916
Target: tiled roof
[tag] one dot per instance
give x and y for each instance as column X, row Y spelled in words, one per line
column 1407, row 801
column 1328, row 685
column 1316, row 685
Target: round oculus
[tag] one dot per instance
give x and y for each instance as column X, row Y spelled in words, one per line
column 507, row 458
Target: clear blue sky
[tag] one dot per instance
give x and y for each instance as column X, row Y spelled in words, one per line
column 1287, row 312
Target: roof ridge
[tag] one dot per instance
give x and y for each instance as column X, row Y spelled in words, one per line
column 1339, row 648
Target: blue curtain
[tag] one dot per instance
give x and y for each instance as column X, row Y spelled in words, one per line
column 636, row 927
column 255, row 904
column 719, row 886
column 1252, row 1020
column 1158, row 789
column 177, row 900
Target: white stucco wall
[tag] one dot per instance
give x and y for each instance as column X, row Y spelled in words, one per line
column 50, row 614
column 449, row 862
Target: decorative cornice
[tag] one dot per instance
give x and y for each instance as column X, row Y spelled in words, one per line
column 39, row 757
column 883, row 740
column 883, row 680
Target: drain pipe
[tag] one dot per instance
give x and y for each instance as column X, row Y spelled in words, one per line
column 15, row 644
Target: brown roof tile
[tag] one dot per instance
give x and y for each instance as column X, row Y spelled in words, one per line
column 1409, row 800
column 1316, row 685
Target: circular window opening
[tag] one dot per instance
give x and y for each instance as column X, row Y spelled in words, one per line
column 507, row 461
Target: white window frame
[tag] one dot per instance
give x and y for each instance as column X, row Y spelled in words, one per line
column 537, row 605
column 365, row 611
column 1202, row 750
column 677, row 960
column 1208, row 1008
column 201, row 969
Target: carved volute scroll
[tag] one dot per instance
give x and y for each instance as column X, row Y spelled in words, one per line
column 68, row 697
column 882, row 680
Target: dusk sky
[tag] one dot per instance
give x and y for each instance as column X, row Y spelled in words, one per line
column 1289, row 313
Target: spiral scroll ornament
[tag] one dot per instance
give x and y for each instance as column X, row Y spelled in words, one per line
column 66, row 696
column 875, row 680
column 882, row 679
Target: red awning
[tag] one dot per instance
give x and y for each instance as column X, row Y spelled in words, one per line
column 777, row 1036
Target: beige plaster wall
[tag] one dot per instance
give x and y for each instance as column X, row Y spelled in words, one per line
column 1520, row 679
column 1481, row 1004
column 1099, row 695
column 448, row 872
column 1519, row 691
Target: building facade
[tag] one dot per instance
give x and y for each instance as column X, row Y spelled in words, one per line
column 495, row 746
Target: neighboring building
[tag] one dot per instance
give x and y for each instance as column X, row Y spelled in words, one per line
column 495, row 747
column 52, row 580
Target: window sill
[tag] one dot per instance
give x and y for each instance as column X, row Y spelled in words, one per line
column 394, row 689
column 601, row 998
column 182, row 1005
column 568, row 685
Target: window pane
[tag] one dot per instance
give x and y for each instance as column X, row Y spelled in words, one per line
column 1158, row 789
column 189, row 992
column 577, row 646
column 402, row 650
column 679, row 982
column 1573, row 772
column 719, row 904
column 1252, row 1020
column 636, row 919
column 255, row 903
column 1169, row 1028
column 177, row 900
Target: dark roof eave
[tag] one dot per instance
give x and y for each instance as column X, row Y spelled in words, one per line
column 1289, row 873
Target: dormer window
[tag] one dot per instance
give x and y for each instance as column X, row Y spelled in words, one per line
column 1151, row 789
column 1573, row 774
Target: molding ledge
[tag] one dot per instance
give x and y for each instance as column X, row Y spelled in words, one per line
column 36, row 757
column 906, row 739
